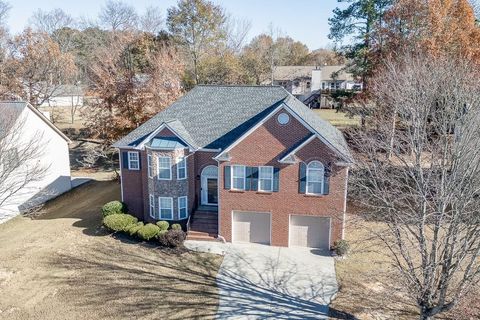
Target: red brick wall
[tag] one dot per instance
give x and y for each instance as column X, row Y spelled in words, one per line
column 132, row 186
column 264, row 147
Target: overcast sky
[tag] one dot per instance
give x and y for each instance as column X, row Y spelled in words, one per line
column 303, row 20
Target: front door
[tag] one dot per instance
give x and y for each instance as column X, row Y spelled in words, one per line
column 209, row 186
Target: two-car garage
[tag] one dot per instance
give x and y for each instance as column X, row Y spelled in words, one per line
column 303, row 230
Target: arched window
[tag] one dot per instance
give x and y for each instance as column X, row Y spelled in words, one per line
column 315, row 176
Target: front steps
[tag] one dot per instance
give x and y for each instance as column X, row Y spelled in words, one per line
column 204, row 225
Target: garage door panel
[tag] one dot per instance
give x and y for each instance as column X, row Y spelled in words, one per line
column 251, row 227
column 309, row 231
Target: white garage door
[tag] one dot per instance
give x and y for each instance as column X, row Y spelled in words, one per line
column 307, row 231
column 251, row 227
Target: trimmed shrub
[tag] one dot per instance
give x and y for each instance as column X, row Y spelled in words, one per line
column 176, row 226
column 113, row 207
column 148, row 231
column 172, row 238
column 341, row 247
column 119, row 221
column 163, row 225
column 133, row 229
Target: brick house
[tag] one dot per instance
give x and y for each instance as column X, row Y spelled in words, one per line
column 239, row 163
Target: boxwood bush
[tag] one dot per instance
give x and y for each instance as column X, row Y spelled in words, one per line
column 133, row 229
column 119, row 221
column 113, row 207
column 163, row 225
column 148, row 231
column 341, row 247
column 176, row 226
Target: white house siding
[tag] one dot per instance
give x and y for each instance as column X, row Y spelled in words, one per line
column 55, row 157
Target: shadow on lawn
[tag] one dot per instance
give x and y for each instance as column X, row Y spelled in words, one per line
column 144, row 282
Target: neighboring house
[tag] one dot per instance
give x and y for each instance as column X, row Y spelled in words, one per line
column 66, row 96
column 34, row 129
column 244, row 163
column 308, row 82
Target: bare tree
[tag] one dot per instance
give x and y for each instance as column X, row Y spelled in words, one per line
column 237, row 31
column 56, row 24
column 19, row 155
column 50, row 21
column 4, row 9
column 427, row 191
column 152, row 20
column 118, row 16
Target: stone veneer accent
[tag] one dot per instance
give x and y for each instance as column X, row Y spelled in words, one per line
column 168, row 188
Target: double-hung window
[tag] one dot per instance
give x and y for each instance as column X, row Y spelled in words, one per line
column 238, row 177
column 182, row 168
column 265, row 178
column 165, row 207
column 164, row 171
column 152, row 206
column 149, row 166
column 182, row 207
column 133, row 160
column 315, row 176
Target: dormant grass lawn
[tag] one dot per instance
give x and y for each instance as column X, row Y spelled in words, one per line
column 338, row 119
column 63, row 265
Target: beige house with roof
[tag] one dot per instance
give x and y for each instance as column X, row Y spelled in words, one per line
column 303, row 81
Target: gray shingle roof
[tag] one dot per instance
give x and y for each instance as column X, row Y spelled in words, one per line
column 215, row 116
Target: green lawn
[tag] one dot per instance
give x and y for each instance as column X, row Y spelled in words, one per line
column 338, row 119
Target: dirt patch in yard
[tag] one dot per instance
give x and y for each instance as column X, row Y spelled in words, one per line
column 62, row 265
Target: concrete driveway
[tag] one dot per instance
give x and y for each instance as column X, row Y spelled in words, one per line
column 264, row 282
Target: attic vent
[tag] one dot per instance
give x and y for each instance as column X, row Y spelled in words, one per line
column 283, row 118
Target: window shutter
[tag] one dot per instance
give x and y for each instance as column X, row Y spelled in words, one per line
column 248, row 178
column 226, row 177
column 276, row 179
column 302, row 182
column 254, row 180
column 326, row 180
column 125, row 160
column 139, row 162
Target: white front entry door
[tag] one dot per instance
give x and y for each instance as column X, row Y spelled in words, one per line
column 209, row 186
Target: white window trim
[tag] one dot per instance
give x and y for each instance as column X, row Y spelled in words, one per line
column 169, row 168
column 259, row 179
column 130, row 161
column 160, row 208
column 149, row 166
column 322, row 181
column 152, row 205
column 244, row 177
column 179, row 160
column 186, row 207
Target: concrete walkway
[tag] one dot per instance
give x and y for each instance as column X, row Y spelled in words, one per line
column 264, row 282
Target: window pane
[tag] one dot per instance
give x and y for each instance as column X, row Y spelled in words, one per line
column 166, row 214
column 181, row 173
column 315, row 175
column 238, row 171
column 266, row 172
column 314, row 187
column 315, row 164
column 164, row 173
column 266, row 184
column 238, row 183
column 183, row 202
column 165, row 203
column 164, row 162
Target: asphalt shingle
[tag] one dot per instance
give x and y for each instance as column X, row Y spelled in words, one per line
column 212, row 116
